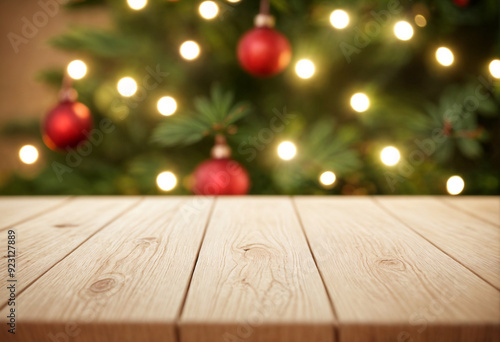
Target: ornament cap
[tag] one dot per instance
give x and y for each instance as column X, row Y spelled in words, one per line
column 67, row 93
column 221, row 149
column 264, row 20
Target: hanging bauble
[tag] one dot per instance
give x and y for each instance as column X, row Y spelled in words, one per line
column 462, row 3
column 67, row 124
column 263, row 51
column 220, row 175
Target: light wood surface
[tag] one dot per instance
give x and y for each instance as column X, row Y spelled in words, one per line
column 17, row 209
column 127, row 282
column 387, row 283
column 253, row 269
column 484, row 208
column 472, row 242
column 45, row 240
column 255, row 278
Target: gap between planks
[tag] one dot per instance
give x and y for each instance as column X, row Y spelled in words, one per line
column 179, row 313
column 336, row 337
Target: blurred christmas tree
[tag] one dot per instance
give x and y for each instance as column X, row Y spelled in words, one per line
column 379, row 97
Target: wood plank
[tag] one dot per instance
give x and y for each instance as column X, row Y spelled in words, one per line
column 255, row 279
column 126, row 283
column 47, row 239
column 483, row 207
column 389, row 284
column 472, row 242
column 18, row 209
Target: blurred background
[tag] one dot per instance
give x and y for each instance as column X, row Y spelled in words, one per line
column 336, row 97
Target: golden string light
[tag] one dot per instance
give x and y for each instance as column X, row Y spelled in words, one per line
column 287, row 150
column 327, row 178
column 390, row 155
column 208, row 10
column 420, row 20
column 137, row 4
column 167, row 105
column 455, row 185
column 360, row 102
column 495, row 68
column 444, row 56
column 305, row 68
column 339, row 19
column 127, row 86
column 166, row 181
column 77, row 69
column 403, row 30
column 28, row 154
column 189, row 50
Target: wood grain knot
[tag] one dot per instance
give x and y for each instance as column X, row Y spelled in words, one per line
column 65, row 225
column 256, row 251
column 391, row 264
column 103, row 285
column 147, row 241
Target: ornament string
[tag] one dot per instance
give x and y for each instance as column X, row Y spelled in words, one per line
column 264, row 7
column 67, row 92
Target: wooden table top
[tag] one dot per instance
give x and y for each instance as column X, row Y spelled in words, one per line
column 245, row 269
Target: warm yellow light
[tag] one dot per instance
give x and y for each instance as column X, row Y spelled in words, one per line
column 208, row 9
column 495, row 68
column 137, row 4
column 287, row 150
column 127, row 86
column 444, row 56
column 360, row 102
column 420, row 20
column 189, row 50
column 166, row 181
column 327, row 178
column 167, row 105
column 305, row 68
column 28, row 154
column 390, row 156
column 77, row 69
column 233, row 1
column 403, row 30
column 455, row 185
column 339, row 19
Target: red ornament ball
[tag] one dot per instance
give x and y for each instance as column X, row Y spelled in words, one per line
column 220, row 177
column 462, row 3
column 264, row 52
column 67, row 125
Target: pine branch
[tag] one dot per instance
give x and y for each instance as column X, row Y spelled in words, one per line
column 213, row 115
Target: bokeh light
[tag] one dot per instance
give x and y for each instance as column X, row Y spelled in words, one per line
column 339, row 19
column 360, row 102
column 287, row 150
column 137, row 4
column 327, row 178
column 495, row 68
column 390, row 155
column 455, row 185
column 420, row 20
column 166, row 181
column 208, row 10
column 444, row 56
column 127, row 86
column 305, row 68
column 28, row 154
column 189, row 50
column 403, row 30
column 167, row 105
column 77, row 69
